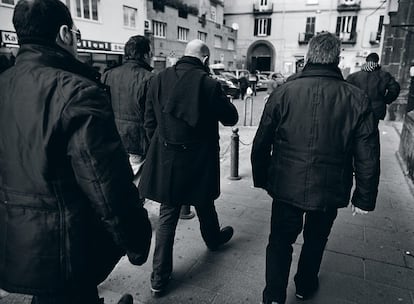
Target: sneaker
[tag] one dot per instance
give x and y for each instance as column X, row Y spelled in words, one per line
column 160, row 289
column 226, row 234
column 126, row 299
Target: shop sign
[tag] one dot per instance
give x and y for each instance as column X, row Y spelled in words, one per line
column 8, row 37
column 94, row 45
column 117, row 47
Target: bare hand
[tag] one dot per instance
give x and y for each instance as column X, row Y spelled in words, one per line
column 356, row 211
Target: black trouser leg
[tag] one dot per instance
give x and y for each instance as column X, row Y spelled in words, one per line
column 317, row 227
column 286, row 224
column 163, row 253
column 209, row 224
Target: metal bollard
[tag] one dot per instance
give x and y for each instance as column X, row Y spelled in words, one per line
column 234, row 156
column 186, row 213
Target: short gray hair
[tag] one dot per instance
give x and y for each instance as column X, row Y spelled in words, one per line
column 324, row 48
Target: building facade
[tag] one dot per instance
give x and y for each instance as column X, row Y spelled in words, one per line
column 273, row 34
column 105, row 26
column 175, row 23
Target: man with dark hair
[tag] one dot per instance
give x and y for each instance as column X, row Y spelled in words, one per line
column 183, row 108
column 128, row 86
column 68, row 207
column 314, row 131
column 380, row 86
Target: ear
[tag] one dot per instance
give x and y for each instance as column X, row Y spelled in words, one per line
column 205, row 60
column 64, row 36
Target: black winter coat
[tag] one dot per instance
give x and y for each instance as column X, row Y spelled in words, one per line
column 315, row 131
column 68, row 207
column 182, row 165
column 380, row 86
column 128, row 86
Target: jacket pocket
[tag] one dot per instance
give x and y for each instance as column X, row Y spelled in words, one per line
column 30, row 252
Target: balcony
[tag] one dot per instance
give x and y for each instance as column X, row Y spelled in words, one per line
column 348, row 38
column 262, row 9
column 305, row 37
column 349, row 5
column 375, row 38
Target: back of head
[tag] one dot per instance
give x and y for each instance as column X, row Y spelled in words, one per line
column 324, row 48
column 373, row 57
column 197, row 48
column 40, row 19
column 136, row 47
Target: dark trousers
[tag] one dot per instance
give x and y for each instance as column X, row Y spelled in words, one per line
column 76, row 297
column 286, row 224
column 163, row 253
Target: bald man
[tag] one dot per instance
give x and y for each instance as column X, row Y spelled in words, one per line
column 183, row 108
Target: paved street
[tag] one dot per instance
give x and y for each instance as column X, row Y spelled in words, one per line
column 368, row 260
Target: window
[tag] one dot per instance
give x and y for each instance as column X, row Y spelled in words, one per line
column 159, row 29
column 380, row 25
column 346, row 27
column 202, row 36
column 230, row 44
column 182, row 33
column 87, row 9
column 310, row 25
column 213, row 13
column 217, row 41
column 130, row 16
column 263, row 2
column 11, row 2
column 262, row 27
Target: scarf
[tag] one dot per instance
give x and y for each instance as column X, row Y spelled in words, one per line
column 370, row 66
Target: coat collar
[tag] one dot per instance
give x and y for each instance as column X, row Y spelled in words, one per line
column 57, row 57
column 141, row 63
column 320, row 70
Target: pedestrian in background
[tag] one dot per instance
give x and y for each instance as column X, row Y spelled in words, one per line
column 243, row 84
column 184, row 106
column 381, row 88
column 128, row 86
column 253, row 80
column 68, row 207
column 314, row 130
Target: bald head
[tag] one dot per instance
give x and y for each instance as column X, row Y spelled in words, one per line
column 197, row 48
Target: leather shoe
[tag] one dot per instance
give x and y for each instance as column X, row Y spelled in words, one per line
column 226, row 234
column 126, row 299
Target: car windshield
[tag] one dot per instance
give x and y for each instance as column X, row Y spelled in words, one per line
column 228, row 75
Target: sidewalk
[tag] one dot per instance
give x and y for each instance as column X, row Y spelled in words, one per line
column 365, row 262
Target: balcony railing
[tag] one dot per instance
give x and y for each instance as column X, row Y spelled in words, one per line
column 262, row 9
column 375, row 38
column 305, row 37
column 349, row 5
column 348, row 38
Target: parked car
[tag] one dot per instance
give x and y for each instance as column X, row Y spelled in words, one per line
column 228, row 86
column 262, row 82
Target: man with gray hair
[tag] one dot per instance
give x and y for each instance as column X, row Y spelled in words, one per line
column 314, row 132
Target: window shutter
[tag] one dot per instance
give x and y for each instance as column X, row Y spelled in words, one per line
column 256, row 25
column 354, row 22
column 338, row 25
column 269, row 26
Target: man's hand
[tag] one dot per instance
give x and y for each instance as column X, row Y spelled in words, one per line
column 356, row 210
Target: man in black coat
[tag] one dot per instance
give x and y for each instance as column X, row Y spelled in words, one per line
column 381, row 88
column 314, row 132
column 68, row 207
column 128, row 86
column 183, row 108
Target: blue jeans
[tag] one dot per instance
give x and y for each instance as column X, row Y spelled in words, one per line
column 163, row 253
column 286, row 224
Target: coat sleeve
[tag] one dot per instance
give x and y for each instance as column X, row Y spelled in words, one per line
column 225, row 111
column 150, row 120
column 103, row 173
column 262, row 143
column 366, row 153
column 393, row 90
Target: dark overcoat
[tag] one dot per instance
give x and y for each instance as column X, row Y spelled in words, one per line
column 68, row 207
column 182, row 165
column 315, row 131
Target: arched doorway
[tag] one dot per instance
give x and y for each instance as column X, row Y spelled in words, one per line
column 261, row 56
